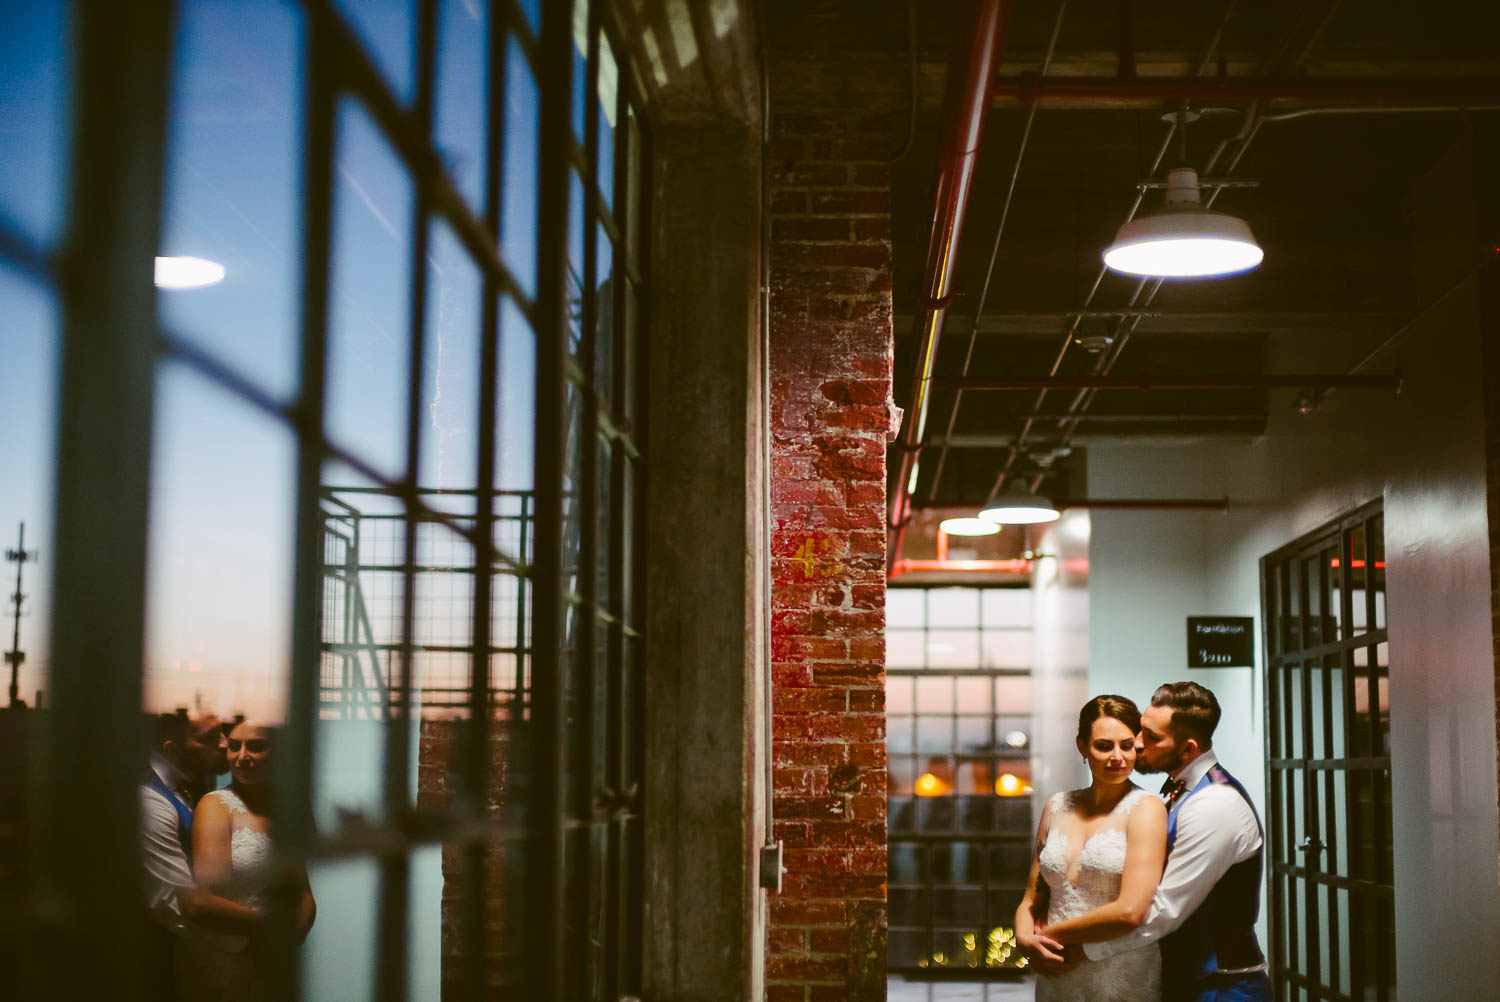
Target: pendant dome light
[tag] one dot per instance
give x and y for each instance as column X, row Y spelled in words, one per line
column 1020, row 509
column 1185, row 239
column 968, row 527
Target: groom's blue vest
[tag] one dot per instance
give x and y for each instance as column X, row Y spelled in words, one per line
column 1220, row 935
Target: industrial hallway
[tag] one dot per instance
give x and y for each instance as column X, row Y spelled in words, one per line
column 633, row 498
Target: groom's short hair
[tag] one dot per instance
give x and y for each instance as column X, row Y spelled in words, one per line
column 1195, row 710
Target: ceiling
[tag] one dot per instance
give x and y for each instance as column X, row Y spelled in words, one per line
column 1329, row 203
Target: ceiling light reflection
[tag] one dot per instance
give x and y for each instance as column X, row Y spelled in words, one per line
column 187, row 272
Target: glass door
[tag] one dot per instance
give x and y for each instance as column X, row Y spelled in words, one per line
column 1329, row 772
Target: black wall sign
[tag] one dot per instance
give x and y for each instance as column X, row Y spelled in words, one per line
column 1221, row 641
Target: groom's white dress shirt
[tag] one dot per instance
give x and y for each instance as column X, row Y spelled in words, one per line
column 1215, row 830
column 164, row 855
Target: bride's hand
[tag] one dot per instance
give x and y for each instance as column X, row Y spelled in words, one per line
column 1040, row 947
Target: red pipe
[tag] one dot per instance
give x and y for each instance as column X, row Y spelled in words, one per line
column 1106, row 504
column 976, row 53
column 1031, row 87
column 1227, row 381
column 961, row 566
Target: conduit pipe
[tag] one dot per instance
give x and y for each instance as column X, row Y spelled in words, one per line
column 976, row 53
column 1107, row 504
column 1225, row 381
column 1030, row 88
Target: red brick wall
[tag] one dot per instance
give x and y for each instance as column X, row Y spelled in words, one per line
column 436, row 785
column 830, row 386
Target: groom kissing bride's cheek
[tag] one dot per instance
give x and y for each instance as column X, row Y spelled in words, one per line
column 1141, row 898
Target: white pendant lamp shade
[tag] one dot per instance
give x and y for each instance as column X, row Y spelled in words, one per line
column 968, row 527
column 1184, row 239
column 1020, row 509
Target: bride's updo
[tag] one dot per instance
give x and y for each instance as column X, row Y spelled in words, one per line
column 1114, row 707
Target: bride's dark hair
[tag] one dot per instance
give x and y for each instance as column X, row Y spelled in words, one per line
column 1114, row 707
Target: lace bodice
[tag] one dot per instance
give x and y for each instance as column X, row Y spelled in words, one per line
column 1080, row 879
column 1084, row 877
column 249, row 850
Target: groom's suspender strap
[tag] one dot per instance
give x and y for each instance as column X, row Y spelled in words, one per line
column 184, row 812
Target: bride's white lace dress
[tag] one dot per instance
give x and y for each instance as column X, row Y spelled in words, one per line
column 1081, row 878
column 218, row 967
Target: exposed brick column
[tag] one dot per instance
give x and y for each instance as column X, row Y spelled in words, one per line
column 830, row 388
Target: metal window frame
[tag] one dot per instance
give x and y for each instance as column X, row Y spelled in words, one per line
column 113, row 347
column 984, row 842
column 1331, row 643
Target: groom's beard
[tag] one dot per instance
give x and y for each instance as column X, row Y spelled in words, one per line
column 1172, row 763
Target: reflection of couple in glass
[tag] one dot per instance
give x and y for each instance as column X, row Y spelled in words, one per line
column 1139, row 898
column 208, row 860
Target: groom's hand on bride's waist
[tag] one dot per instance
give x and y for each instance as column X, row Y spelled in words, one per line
column 1071, row 954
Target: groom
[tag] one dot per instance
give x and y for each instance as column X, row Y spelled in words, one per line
column 1205, row 908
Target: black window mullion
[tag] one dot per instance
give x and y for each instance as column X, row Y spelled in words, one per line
column 546, row 953
column 295, row 828
column 391, row 932
column 87, row 846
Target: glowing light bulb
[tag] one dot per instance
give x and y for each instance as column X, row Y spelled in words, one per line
column 928, row 785
column 1008, row 785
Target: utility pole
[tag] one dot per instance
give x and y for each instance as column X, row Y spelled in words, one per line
column 13, row 657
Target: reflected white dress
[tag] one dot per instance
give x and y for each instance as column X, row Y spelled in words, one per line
column 220, row 967
column 1133, row 976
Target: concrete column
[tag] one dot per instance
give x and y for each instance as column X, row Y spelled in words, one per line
column 706, row 551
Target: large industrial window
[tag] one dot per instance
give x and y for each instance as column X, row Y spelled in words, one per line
column 1328, row 741
column 960, row 814
column 365, row 466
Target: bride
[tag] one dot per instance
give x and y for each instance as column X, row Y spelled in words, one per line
column 1100, row 851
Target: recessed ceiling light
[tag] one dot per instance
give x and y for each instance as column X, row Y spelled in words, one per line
column 187, row 272
column 1184, row 239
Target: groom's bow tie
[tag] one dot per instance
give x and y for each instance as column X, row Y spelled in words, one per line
column 1171, row 790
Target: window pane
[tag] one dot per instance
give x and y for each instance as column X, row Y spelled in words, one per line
column 369, row 344
column 953, row 649
column 518, row 185
column 608, row 92
column 387, row 29
column 1007, row 607
column 28, row 359
column 1008, row 649
column 953, row 607
column 515, row 438
column 33, row 66
column 220, row 549
column 462, row 82
column 450, row 376
column 338, row 958
column 905, row 607
column 905, row 648
column 233, row 186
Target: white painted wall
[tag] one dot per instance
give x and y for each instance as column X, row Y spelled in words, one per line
column 1422, row 452
column 1060, row 670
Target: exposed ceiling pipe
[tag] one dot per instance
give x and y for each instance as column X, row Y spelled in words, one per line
column 1126, row 17
column 977, row 46
column 1168, row 381
column 1110, row 504
column 1030, row 88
